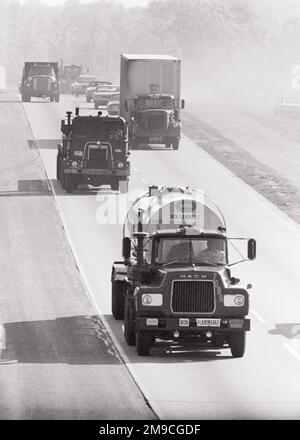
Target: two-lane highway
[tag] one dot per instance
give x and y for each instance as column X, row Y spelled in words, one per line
column 189, row 383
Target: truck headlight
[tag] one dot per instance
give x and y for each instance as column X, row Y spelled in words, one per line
column 120, row 165
column 74, row 163
column 152, row 299
column 234, row 300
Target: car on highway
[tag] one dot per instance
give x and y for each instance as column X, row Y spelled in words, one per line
column 102, row 94
column 79, row 85
column 113, row 105
column 89, row 91
column 287, row 105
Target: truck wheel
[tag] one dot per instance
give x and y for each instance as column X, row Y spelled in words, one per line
column 237, row 344
column 168, row 144
column 143, row 343
column 58, row 166
column 118, row 290
column 115, row 185
column 24, row 98
column 57, row 98
column 51, row 98
column 96, row 106
column 88, row 99
column 129, row 324
column 175, row 144
column 69, row 184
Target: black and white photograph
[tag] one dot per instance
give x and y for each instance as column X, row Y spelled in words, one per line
column 149, row 214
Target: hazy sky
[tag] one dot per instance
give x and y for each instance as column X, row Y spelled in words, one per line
column 278, row 9
column 124, row 2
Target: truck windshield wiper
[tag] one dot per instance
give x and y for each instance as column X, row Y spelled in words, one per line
column 209, row 263
column 173, row 262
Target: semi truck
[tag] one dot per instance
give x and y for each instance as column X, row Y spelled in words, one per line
column 174, row 282
column 68, row 75
column 94, row 151
column 41, row 80
column 150, row 99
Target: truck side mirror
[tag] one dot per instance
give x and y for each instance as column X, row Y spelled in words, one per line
column 126, row 105
column 251, row 249
column 182, row 103
column 126, row 248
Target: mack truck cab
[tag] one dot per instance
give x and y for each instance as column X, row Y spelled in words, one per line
column 175, row 282
column 94, row 151
column 154, row 118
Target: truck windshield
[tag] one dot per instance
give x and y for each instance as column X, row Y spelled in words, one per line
column 204, row 251
column 97, row 128
column 41, row 70
column 155, row 103
column 72, row 71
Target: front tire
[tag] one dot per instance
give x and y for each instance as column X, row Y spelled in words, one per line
column 57, row 98
column 58, row 165
column 175, row 144
column 143, row 343
column 118, row 291
column 237, row 344
column 69, row 183
column 129, row 323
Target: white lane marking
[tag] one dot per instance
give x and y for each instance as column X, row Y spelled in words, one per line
column 258, row 316
column 145, row 181
column 292, row 350
column 135, row 169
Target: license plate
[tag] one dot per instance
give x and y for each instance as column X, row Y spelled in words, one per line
column 155, row 139
column 208, row 322
column 152, row 321
column 184, row 322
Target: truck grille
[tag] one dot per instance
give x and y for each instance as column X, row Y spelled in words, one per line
column 156, row 122
column 97, row 159
column 193, row 297
column 41, row 84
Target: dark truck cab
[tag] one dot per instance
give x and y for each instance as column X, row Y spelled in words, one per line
column 67, row 76
column 175, row 280
column 94, row 150
column 40, row 80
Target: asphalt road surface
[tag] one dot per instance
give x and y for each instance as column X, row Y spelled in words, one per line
column 179, row 382
column 57, row 360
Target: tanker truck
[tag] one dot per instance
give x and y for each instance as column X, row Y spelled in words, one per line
column 174, row 282
column 150, row 99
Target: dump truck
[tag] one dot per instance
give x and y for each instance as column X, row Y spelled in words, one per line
column 93, row 151
column 150, row 99
column 41, row 80
column 174, row 282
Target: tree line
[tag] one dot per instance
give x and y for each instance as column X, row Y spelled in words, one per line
column 210, row 36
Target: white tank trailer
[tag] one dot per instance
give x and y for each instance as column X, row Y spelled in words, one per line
column 175, row 281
